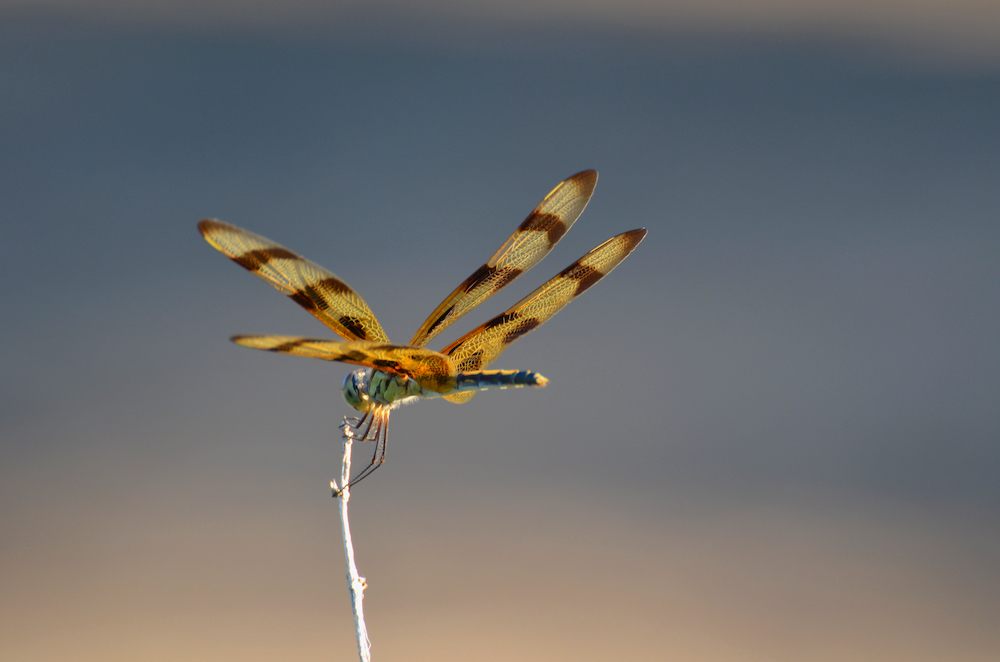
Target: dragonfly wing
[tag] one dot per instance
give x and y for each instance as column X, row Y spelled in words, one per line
column 319, row 291
column 531, row 242
column 432, row 370
column 481, row 346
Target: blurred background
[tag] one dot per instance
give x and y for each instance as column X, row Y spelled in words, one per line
column 772, row 434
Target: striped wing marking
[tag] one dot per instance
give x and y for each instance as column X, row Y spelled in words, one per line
column 480, row 347
column 531, row 242
column 319, row 291
column 434, row 371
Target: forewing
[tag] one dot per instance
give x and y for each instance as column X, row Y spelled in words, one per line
column 481, row 346
column 311, row 286
column 432, row 370
column 531, row 242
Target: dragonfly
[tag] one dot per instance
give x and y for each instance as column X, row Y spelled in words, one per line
column 392, row 375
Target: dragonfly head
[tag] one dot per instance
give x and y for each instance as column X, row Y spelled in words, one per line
column 356, row 390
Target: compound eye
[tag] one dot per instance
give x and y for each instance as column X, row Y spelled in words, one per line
column 356, row 391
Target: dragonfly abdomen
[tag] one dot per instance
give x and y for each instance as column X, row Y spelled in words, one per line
column 491, row 379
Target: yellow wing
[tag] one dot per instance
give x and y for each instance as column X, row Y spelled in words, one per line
column 432, row 370
column 531, row 242
column 311, row 286
column 481, row 346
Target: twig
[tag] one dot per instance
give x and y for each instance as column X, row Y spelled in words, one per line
column 356, row 582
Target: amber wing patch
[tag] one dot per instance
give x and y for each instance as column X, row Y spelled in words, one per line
column 480, row 347
column 319, row 291
column 532, row 241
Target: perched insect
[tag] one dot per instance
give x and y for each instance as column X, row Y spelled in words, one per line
column 395, row 374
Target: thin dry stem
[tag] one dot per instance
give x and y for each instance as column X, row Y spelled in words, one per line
column 355, row 581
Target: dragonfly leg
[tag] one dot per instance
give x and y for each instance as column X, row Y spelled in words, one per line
column 380, row 420
column 355, row 423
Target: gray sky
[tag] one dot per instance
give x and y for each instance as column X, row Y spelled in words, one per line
column 771, row 433
column 928, row 31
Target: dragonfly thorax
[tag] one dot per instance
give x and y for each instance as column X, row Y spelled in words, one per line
column 363, row 389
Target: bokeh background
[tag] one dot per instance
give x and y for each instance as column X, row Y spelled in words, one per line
column 772, row 434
